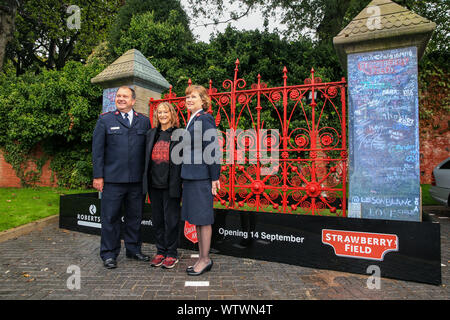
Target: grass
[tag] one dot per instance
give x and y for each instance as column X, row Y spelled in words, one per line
column 426, row 198
column 19, row 206
column 426, row 201
column 323, row 212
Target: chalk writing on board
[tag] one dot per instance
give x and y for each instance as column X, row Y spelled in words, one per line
column 109, row 96
column 383, row 135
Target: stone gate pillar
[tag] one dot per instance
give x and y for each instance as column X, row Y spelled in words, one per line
column 134, row 70
column 381, row 49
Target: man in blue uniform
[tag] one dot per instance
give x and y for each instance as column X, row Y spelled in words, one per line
column 118, row 148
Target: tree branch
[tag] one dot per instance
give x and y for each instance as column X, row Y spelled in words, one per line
column 225, row 21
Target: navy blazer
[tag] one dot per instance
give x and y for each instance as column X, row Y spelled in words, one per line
column 201, row 160
column 174, row 169
column 118, row 149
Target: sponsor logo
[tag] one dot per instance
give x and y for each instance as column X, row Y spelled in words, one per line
column 94, row 221
column 361, row 245
column 190, row 232
column 92, row 209
column 89, row 220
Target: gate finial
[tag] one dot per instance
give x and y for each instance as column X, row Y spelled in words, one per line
column 236, row 70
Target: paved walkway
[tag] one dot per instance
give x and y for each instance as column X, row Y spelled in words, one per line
column 43, row 265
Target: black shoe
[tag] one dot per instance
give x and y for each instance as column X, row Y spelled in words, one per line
column 138, row 256
column 191, row 272
column 190, row 268
column 110, row 263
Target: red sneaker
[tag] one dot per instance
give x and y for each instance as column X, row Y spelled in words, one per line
column 169, row 262
column 157, row 260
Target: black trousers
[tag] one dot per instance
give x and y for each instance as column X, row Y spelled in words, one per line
column 166, row 221
column 114, row 196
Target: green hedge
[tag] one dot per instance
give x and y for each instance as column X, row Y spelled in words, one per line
column 55, row 111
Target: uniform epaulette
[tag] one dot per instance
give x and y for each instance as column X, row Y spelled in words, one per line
column 105, row 113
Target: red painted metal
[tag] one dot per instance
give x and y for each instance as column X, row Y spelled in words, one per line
column 311, row 176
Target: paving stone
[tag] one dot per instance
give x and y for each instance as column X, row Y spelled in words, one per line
column 34, row 267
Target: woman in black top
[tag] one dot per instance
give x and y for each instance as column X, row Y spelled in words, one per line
column 163, row 183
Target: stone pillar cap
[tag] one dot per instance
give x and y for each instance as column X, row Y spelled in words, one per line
column 131, row 67
column 398, row 27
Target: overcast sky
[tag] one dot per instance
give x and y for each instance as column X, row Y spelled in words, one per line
column 253, row 21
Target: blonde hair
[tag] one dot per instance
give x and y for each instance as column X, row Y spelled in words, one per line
column 203, row 93
column 174, row 122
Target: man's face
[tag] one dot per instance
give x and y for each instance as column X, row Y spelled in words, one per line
column 124, row 100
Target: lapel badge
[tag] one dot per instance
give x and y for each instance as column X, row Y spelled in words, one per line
column 116, row 113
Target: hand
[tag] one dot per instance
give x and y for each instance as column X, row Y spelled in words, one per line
column 215, row 187
column 98, row 184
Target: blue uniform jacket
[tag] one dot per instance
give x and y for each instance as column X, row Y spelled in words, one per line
column 203, row 160
column 118, row 149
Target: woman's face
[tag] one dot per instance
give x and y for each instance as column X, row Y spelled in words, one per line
column 164, row 116
column 194, row 101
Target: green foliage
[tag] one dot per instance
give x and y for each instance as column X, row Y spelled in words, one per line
column 43, row 39
column 52, row 106
column 56, row 112
column 321, row 19
column 434, row 89
column 437, row 11
column 167, row 45
column 154, row 39
column 264, row 54
column 163, row 12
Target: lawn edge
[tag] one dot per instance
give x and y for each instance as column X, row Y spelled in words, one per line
column 27, row 228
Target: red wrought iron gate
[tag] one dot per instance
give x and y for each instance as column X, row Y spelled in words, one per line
column 284, row 148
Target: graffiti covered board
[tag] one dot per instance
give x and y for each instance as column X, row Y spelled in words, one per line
column 384, row 173
column 109, row 96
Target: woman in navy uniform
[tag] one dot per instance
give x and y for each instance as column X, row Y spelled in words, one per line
column 162, row 181
column 200, row 173
column 118, row 147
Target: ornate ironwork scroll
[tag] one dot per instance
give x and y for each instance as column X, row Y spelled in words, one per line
column 284, row 148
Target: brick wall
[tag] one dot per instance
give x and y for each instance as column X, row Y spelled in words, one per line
column 434, row 145
column 8, row 176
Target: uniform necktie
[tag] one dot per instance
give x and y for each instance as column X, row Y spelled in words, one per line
column 126, row 117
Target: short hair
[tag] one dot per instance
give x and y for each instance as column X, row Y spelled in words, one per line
column 173, row 115
column 133, row 92
column 203, row 93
